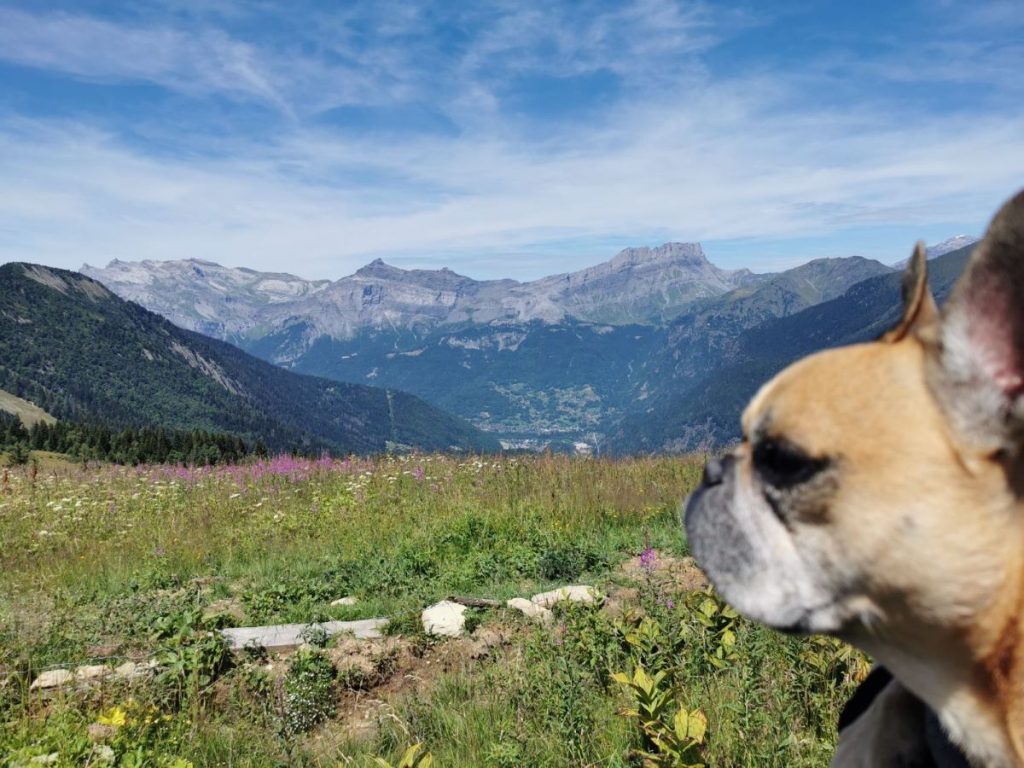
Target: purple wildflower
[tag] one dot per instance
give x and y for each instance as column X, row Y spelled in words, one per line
column 648, row 559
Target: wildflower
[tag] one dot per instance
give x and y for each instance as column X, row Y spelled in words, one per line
column 418, row 473
column 648, row 559
column 115, row 717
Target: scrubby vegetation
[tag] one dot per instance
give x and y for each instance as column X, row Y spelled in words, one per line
column 143, row 445
column 114, row 564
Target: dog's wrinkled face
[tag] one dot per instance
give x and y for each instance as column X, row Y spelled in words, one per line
column 869, row 497
column 838, row 498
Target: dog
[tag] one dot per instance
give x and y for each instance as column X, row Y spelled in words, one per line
column 878, row 496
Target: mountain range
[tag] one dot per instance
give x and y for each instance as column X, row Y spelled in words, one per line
column 600, row 357
column 70, row 346
column 702, row 411
column 639, row 285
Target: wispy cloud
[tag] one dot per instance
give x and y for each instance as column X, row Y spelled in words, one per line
column 196, row 63
column 681, row 148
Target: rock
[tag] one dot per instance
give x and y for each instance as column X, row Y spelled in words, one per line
column 132, row 670
column 91, row 672
column 58, row 678
column 344, row 601
column 54, row 678
column 576, row 593
column 292, row 635
column 444, row 619
column 530, row 610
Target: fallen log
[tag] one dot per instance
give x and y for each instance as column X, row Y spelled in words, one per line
column 476, row 602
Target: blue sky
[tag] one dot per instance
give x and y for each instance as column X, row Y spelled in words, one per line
column 514, row 138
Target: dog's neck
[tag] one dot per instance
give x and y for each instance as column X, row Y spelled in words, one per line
column 980, row 724
column 973, row 681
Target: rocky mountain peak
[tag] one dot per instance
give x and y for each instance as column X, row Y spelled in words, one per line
column 949, row 245
column 638, row 285
column 379, row 268
column 689, row 254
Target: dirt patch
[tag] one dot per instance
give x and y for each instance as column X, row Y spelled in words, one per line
column 677, row 573
column 669, row 574
column 373, row 674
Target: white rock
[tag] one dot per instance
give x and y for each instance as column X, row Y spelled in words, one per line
column 132, row 670
column 293, row 635
column 530, row 610
column 575, row 593
column 444, row 619
column 93, row 672
column 344, row 601
column 54, row 678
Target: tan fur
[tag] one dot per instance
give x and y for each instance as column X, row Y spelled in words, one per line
column 915, row 528
column 938, row 531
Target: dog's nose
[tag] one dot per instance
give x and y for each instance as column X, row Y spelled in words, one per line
column 714, row 471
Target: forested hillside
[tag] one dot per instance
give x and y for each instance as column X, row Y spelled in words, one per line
column 702, row 411
column 73, row 348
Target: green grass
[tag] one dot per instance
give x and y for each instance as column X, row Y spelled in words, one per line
column 23, row 409
column 120, row 563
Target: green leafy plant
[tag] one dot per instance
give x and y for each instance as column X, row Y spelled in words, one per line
column 718, row 621
column 316, row 636
column 414, row 757
column 669, row 740
column 190, row 650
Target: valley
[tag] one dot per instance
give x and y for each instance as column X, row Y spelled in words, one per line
column 594, row 360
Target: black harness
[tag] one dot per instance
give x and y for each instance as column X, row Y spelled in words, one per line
column 942, row 752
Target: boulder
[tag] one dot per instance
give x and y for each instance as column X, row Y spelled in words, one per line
column 577, row 593
column 344, row 601
column 91, row 672
column 445, row 619
column 132, row 670
column 54, row 678
column 278, row 636
column 530, row 610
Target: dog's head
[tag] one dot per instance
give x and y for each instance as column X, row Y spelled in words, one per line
column 876, row 492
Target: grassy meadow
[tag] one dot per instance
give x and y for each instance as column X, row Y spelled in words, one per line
column 108, row 564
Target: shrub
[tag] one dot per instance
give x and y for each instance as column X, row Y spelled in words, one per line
column 308, row 691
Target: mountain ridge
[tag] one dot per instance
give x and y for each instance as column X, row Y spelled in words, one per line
column 380, row 296
column 556, row 359
column 73, row 348
column 702, row 412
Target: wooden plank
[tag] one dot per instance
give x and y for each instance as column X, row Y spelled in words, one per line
column 476, row 602
column 291, row 635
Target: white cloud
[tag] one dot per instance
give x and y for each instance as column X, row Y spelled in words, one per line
column 73, row 195
column 683, row 155
column 204, row 62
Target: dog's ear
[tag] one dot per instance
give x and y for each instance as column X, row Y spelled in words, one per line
column 976, row 355
column 919, row 310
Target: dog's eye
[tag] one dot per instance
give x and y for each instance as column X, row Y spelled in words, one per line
column 783, row 464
